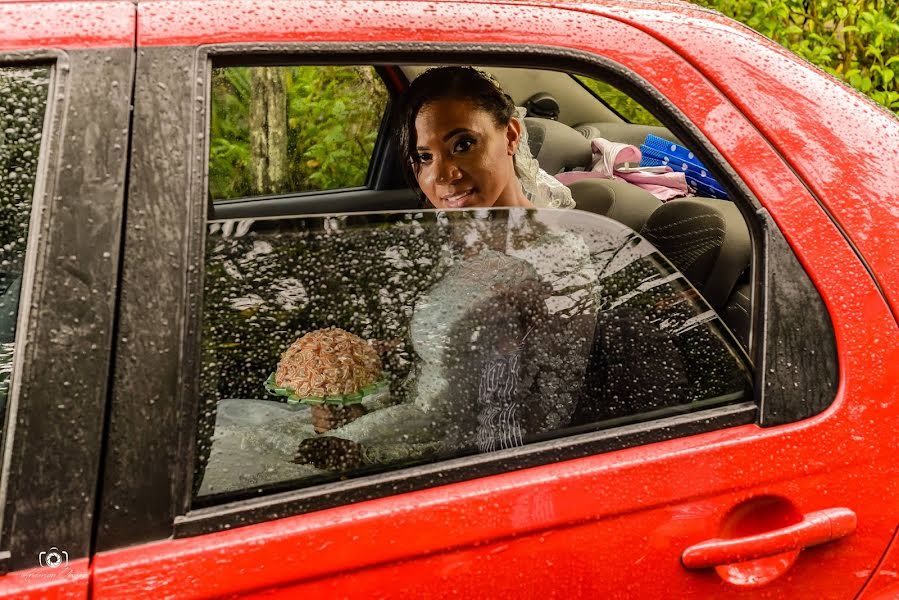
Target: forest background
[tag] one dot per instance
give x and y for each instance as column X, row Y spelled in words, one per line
column 854, row 40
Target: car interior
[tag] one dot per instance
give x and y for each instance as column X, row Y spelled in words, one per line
column 705, row 238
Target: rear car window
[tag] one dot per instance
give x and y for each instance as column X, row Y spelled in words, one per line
column 278, row 130
column 23, row 103
column 628, row 108
column 339, row 346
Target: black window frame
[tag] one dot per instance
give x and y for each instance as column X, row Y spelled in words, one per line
column 173, row 436
column 52, row 456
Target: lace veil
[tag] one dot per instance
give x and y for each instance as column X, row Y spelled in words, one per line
column 541, row 188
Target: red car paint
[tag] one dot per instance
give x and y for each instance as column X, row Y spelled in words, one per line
column 69, row 581
column 614, row 524
column 69, row 25
column 884, row 584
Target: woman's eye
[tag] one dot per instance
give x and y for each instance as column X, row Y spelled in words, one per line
column 424, row 158
column 463, row 145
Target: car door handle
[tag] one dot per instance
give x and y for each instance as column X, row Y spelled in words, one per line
column 815, row 528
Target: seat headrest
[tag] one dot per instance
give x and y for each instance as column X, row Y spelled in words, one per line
column 588, row 131
column 706, row 240
column 556, row 146
column 543, row 105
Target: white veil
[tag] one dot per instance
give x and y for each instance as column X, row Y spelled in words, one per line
column 541, row 188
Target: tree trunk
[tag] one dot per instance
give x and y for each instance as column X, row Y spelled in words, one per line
column 268, row 130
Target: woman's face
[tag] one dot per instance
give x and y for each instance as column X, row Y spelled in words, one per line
column 464, row 158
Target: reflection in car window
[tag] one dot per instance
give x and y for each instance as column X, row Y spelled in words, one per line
column 338, row 346
column 280, row 130
column 23, row 101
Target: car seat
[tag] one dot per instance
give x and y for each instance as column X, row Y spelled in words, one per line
column 558, row 147
column 737, row 312
column 708, row 241
column 704, row 238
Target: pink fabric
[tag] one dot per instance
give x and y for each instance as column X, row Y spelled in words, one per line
column 606, row 158
column 606, row 155
column 664, row 186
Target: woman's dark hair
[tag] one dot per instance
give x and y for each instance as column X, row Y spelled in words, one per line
column 458, row 83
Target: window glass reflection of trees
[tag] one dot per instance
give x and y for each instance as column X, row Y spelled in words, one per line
column 593, row 323
column 23, row 102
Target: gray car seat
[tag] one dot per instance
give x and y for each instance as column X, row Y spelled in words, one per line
column 738, row 312
column 617, row 200
column 558, row 147
column 708, row 241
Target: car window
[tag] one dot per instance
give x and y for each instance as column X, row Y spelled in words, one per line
column 334, row 347
column 277, row 130
column 23, row 102
column 631, row 110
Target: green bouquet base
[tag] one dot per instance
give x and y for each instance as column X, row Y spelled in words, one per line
column 291, row 396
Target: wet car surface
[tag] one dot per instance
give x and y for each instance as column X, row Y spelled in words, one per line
column 144, row 310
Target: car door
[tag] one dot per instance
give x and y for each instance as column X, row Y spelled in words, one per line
column 710, row 503
column 66, row 87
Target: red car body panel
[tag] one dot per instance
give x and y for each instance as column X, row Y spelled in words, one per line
column 67, row 25
column 884, row 585
column 69, row 582
column 613, row 524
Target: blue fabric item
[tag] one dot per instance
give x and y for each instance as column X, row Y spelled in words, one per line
column 658, row 151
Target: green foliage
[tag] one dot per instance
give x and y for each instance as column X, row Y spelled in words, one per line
column 333, row 115
column 856, row 41
column 624, row 105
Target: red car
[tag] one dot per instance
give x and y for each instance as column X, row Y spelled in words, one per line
column 159, row 253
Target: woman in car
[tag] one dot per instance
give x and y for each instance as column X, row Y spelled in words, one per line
column 463, row 145
column 499, row 366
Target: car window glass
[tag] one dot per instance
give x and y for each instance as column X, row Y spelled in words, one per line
column 631, row 110
column 23, row 102
column 277, row 130
column 333, row 347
